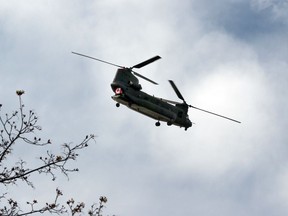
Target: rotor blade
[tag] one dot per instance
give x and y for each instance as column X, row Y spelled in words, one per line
column 98, row 59
column 142, row 64
column 177, row 91
column 143, row 77
column 215, row 114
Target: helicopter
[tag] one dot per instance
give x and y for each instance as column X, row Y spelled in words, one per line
column 127, row 91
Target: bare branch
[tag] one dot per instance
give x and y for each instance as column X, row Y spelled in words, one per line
column 20, row 127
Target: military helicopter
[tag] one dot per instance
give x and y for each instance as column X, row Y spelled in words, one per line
column 127, row 91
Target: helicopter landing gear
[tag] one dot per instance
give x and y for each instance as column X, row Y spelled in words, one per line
column 157, row 124
column 117, row 104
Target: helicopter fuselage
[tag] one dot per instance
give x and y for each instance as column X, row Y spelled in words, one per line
column 128, row 92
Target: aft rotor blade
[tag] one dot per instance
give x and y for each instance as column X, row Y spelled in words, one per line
column 97, row 59
column 143, row 77
column 149, row 61
column 176, row 90
column 215, row 114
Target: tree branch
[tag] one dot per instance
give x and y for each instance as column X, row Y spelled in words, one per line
column 21, row 127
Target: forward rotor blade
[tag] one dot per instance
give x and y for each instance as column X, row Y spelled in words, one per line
column 177, row 91
column 149, row 61
column 215, row 114
column 97, row 59
column 143, row 77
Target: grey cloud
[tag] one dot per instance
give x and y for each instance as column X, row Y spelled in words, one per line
column 226, row 56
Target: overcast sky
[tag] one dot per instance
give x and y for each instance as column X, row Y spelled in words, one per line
column 226, row 56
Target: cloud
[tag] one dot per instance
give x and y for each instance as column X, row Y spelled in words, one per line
column 228, row 57
column 277, row 8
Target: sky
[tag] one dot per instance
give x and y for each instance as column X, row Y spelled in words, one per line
column 225, row 56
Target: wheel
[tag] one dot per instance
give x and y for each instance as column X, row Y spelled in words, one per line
column 117, row 104
column 157, row 124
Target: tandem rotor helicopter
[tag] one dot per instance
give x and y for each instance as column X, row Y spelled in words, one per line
column 128, row 92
